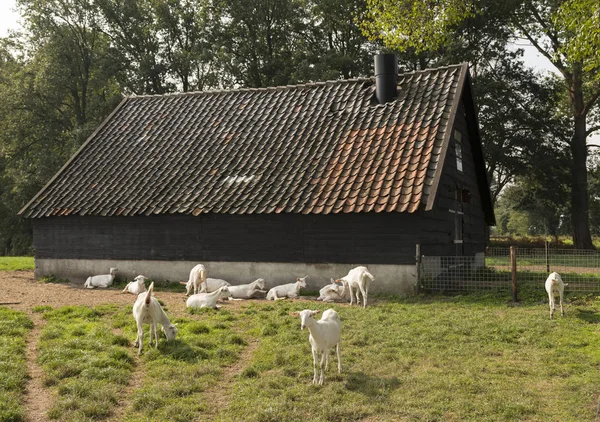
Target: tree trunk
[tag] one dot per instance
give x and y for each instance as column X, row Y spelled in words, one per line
column 579, row 191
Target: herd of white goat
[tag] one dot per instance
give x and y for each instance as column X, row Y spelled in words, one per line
column 205, row 292
column 325, row 333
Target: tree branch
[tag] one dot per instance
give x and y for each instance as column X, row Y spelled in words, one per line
column 588, row 106
column 592, row 130
column 558, row 64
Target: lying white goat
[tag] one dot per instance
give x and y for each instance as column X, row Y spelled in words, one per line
column 147, row 310
column 334, row 292
column 197, row 277
column 213, row 284
column 291, row 290
column 554, row 285
column 208, row 300
column 137, row 286
column 104, row 280
column 324, row 334
column 247, row 291
column 360, row 278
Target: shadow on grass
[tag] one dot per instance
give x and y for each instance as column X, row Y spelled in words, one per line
column 588, row 316
column 179, row 350
column 371, row 386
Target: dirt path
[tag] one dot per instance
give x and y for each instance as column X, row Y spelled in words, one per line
column 219, row 393
column 38, row 398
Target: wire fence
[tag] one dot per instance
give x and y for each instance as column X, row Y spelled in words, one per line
column 494, row 269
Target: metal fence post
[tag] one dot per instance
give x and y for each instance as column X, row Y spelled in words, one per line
column 547, row 257
column 418, row 264
column 513, row 270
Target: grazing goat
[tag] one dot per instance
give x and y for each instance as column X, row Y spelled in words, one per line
column 334, row 292
column 147, row 310
column 324, row 334
column 360, row 278
column 291, row 290
column 136, row 286
column 554, row 284
column 208, row 300
column 104, row 280
column 247, row 291
column 197, row 277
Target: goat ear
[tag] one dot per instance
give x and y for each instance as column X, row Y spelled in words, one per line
column 183, row 282
column 294, row 313
column 332, row 280
column 318, row 311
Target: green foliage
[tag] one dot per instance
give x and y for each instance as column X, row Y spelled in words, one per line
column 419, row 25
column 14, row 326
column 582, row 20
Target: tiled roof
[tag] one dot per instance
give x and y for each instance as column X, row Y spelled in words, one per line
column 315, row 148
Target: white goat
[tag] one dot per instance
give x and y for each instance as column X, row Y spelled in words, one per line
column 213, row 284
column 197, row 277
column 291, row 290
column 360, row 278
column 104, row 280
column 247, row 291
column 334, row 292
column 554, row 285
column 147, row 310
column 137, row 286
column 324, row 334
column 208, row 300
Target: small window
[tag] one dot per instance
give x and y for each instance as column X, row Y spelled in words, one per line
column 458, row 148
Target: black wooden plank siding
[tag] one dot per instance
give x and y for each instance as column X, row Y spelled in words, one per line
column 369, row 238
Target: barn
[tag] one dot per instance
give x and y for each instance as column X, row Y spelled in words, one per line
column 276, row 183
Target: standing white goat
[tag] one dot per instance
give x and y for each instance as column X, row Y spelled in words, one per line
column 334, row 292
column 554, row 285
column 291, row 290
column 324, row 334
column 197, row 277
column 104, row 280
column 360, row 278
column 137, row 286
column 247, row 291
column 208, row 300
column 147, row 310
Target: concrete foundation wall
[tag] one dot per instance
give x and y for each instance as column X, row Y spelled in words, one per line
column 398, row 279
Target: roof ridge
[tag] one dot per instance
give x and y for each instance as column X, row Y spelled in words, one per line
column 295, row 86
column 269, row 88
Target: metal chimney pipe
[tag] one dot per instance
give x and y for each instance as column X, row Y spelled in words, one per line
column 386, row 77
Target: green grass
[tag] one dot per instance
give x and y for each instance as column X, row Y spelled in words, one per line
column 14, row 326
column 464, row 358
column 84, row 361
column 179, row 372
column 16, row 263
column 428, row 358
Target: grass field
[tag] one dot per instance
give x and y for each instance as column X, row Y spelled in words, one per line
column 432, row 358
column 14, row 326
column 16, row 263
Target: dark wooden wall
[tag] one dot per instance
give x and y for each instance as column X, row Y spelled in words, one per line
column 474, row 228
column 375, row 238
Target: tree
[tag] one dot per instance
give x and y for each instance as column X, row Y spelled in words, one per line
column 550, row 26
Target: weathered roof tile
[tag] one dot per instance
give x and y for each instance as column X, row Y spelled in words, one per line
column 323, row 147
